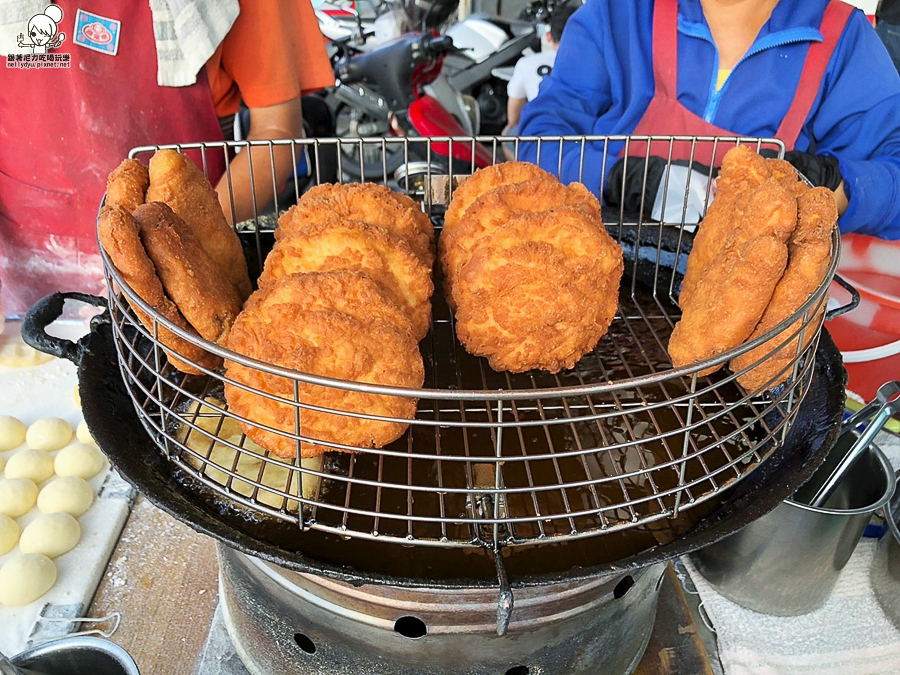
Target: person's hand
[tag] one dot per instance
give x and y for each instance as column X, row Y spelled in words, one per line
column 843, row 201
column 682, row 197
column 820, row 170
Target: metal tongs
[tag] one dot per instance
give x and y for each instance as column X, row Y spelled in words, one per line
column 885, row 404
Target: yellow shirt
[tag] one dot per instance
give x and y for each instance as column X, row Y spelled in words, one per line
column 723, row 75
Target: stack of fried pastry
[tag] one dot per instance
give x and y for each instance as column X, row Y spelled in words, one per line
column 763, row 248
column 345, row 294
column 176, row 251
column 529, row 268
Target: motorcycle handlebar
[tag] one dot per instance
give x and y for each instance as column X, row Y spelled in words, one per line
column 410, row 48
column 437, row 45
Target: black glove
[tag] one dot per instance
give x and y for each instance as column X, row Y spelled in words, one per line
column 625, row 184
column 632, row 177
column 820, row 170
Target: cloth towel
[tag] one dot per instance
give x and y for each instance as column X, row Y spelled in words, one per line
column 187, row 32
column 849, row 635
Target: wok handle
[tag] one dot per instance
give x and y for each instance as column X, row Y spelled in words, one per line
column 46, row 311
column 843, row 309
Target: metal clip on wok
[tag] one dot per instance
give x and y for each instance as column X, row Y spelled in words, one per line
column 885, row 404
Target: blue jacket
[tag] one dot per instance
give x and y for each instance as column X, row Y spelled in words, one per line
column 603, row 81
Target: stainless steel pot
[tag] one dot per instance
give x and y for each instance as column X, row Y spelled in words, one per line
column 787, row 562
column 81, row 655
column 886, row 566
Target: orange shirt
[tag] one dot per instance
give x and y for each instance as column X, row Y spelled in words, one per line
column 273, row 53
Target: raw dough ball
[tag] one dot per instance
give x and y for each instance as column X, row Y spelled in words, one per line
column 83, row 434
column 14, row 353
column 9, row 534
column 12, row 433
column 69, row 494
column 17, row 496
column 25, row 578
column 27, row 463
column 76, row 394
column 78, row 459
column 49, row 433
column 50, row 534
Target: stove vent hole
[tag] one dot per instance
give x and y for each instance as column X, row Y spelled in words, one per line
column 518, row 670
column 411, row 627
column 305, row 643
column 623, row 587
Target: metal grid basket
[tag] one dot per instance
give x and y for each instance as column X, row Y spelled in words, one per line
column 491, row 459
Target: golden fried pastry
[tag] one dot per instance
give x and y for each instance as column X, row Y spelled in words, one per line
column 742, row 170
column 365, row 203
column 766, row 210
column 485, row 180
column 196, row 285
column 352, row 245
column 734, row 291
column 785, row 173
column 495, row 208
column 127, row 185
column 349, row 292
column 328, row 344
column 539, row 292
column 176, row 181
column 118, row 234
column 406, row 202
column 809, row 256
column 423, row 222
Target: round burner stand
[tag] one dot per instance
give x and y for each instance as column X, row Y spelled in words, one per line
column 287, row 623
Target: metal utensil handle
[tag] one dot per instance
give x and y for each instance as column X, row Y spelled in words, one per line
column 7, row 667
column 44, row 312
column 887, row 409
column 851, row 305
column 861, row 415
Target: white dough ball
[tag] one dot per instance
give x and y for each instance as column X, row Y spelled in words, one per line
column 68, row 494
column 49, row 433
column 25, row 578
column 78, row 459
column 12, row 433
column 17, row 496
column 83, row 434
column 9, row 534
column 27, row 463
column 16, row 354
column 50, row 534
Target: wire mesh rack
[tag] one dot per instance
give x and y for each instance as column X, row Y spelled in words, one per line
column 491, row 458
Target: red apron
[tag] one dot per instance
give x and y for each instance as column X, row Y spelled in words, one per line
column 62, row 131
column 666, row 116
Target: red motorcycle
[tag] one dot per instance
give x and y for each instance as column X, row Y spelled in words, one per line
column 383, row 88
